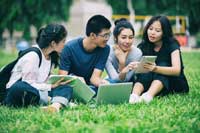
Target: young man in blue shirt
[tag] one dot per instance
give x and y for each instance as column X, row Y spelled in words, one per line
column 86, row 57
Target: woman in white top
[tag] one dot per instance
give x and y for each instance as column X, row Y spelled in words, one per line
column 123, row 55
column 27, row 84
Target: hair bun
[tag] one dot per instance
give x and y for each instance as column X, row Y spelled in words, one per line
column 120, row 21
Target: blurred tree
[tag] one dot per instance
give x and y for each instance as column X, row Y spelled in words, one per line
column 190, row 8
column 20, row 14
column 118, row 6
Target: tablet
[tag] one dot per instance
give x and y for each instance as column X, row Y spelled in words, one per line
column 81, row 91
column 55, row 78
column 145, row 59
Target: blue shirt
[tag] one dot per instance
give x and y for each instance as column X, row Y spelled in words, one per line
column 76, row 60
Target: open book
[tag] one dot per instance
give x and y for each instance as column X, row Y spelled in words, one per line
column 145, row 59
column 81, row 91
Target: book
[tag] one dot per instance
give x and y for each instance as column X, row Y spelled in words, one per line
column 81, row 91
column 145, row 59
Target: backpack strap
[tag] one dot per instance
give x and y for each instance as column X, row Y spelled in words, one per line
column 5, row 73
column 35, row 49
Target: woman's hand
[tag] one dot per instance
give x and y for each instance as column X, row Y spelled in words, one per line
column 62, row 82
column 121, row 55
column 57, row 83
column 131, row 66
column 150, row 66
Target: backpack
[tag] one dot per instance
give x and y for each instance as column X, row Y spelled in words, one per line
column 6, row 72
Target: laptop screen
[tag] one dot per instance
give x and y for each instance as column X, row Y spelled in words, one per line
column 114, row 93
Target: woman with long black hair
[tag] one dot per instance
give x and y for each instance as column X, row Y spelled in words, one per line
column 166, row 75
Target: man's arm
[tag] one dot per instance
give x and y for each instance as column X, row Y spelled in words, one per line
column 96, row 79
column 62, row 72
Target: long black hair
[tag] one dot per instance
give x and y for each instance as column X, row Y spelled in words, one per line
column 121, row 24
column 52, row 32
column 167, row 38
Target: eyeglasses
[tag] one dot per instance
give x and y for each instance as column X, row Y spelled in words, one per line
column 105, row 36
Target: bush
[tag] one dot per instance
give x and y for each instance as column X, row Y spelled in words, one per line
column 198, row 39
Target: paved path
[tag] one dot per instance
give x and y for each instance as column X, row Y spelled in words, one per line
column 188, row 49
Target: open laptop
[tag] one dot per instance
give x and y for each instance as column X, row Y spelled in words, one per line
column 115, row 93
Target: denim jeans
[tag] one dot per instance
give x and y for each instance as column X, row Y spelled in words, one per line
column 22, row 94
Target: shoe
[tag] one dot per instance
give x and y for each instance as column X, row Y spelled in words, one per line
column 50, row 109
column 133, row 98
column 145, row 97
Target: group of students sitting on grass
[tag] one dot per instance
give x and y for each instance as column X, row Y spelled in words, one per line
column 87, row 57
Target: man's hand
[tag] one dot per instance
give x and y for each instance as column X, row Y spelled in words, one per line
column 103, row 81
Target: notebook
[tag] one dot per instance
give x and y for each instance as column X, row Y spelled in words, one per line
column 115, row 93
column 81, row 91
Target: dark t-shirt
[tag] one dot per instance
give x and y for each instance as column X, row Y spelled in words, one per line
column 172, row 83
column 77, row 61
column 164, row 55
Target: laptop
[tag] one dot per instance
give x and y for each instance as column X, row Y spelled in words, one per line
column 115, row 93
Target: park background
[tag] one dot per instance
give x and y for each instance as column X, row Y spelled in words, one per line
column 20, row 21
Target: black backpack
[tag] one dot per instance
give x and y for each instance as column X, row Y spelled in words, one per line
column 5, row 73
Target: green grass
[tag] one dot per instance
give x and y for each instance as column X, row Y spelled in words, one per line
column 6, row 57
column 173, row 113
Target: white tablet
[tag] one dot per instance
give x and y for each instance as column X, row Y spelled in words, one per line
column 145, row 59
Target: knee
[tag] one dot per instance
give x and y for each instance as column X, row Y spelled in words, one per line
column 15, row 90
column 157, row 81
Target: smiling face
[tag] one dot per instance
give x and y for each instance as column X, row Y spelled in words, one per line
column 125, row 39
column 155, row 32
column 102, row 38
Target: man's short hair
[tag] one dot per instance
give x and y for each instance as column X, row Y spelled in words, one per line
column 96, row 24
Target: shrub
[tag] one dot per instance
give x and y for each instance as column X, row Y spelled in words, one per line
column 198, row 39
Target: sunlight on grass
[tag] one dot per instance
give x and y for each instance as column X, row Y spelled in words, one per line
column 172, row 113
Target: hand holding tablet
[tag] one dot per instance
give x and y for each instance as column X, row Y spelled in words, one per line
column 145, row 60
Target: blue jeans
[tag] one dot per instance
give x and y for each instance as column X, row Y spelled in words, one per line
column 22, row 94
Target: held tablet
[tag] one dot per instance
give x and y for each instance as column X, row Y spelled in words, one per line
column 56, row 78
column 145, row 59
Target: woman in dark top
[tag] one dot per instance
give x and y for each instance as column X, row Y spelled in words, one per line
column 166, row 75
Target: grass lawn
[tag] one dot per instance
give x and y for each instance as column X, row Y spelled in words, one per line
column 173, row 113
